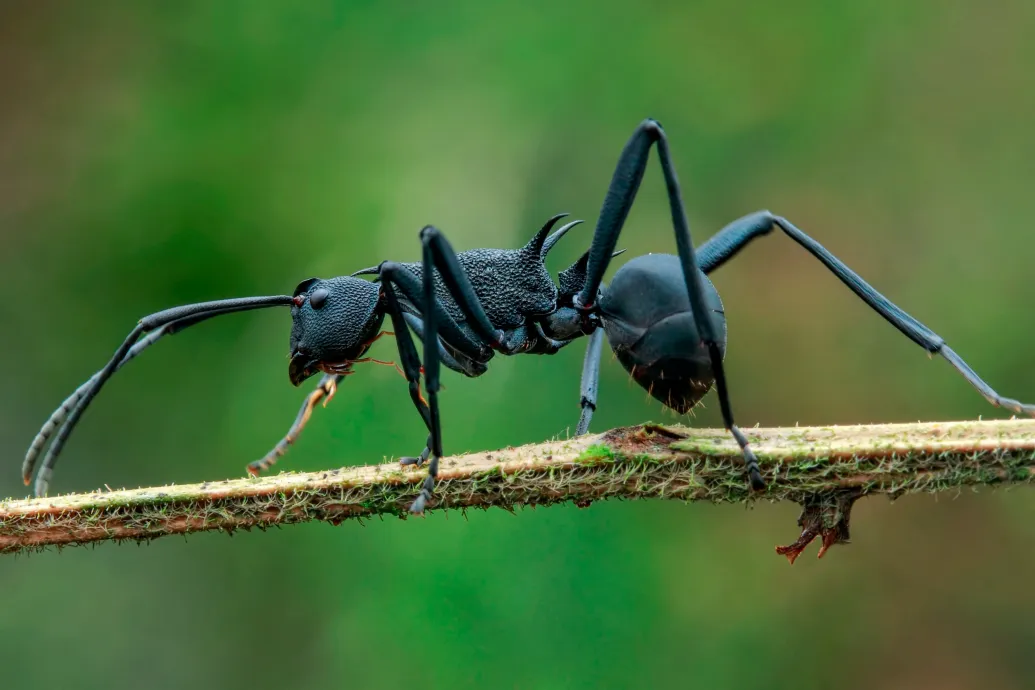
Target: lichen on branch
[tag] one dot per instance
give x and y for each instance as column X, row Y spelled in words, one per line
column 825, row 469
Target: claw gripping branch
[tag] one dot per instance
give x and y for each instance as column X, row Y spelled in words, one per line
column 825, row 469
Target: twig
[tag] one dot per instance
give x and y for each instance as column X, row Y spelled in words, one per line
column 823, row 468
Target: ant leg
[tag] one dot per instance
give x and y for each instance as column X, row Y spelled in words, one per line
column 412, row 288
column 739, row 233
column 408, row 357
column 727, row 243
column 461, row 365
column 431, row 372
column 438, row 255
column 620, row 196
column 395, row 277
column 590, row 381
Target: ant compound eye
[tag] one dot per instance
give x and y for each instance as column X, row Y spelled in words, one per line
column 318, row 298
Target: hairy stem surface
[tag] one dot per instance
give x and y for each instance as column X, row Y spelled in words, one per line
column 825, row 469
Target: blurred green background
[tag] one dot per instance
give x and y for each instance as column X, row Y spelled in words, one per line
column 153, row 154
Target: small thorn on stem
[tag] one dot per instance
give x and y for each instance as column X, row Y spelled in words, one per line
column 795, row 549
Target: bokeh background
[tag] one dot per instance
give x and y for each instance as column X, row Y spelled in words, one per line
column 153, row 154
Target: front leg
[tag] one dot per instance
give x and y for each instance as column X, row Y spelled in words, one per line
column 422, row 293
column 439, row 255
column 392, row 277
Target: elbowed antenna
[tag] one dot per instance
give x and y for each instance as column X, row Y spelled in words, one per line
column 169, row 321
column 58, row 417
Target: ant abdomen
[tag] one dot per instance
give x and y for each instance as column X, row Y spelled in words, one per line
column 649, row 323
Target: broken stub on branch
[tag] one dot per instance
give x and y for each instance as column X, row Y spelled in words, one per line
column 824, row 515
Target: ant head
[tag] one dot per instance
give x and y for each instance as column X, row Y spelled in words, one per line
column 333, row 322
